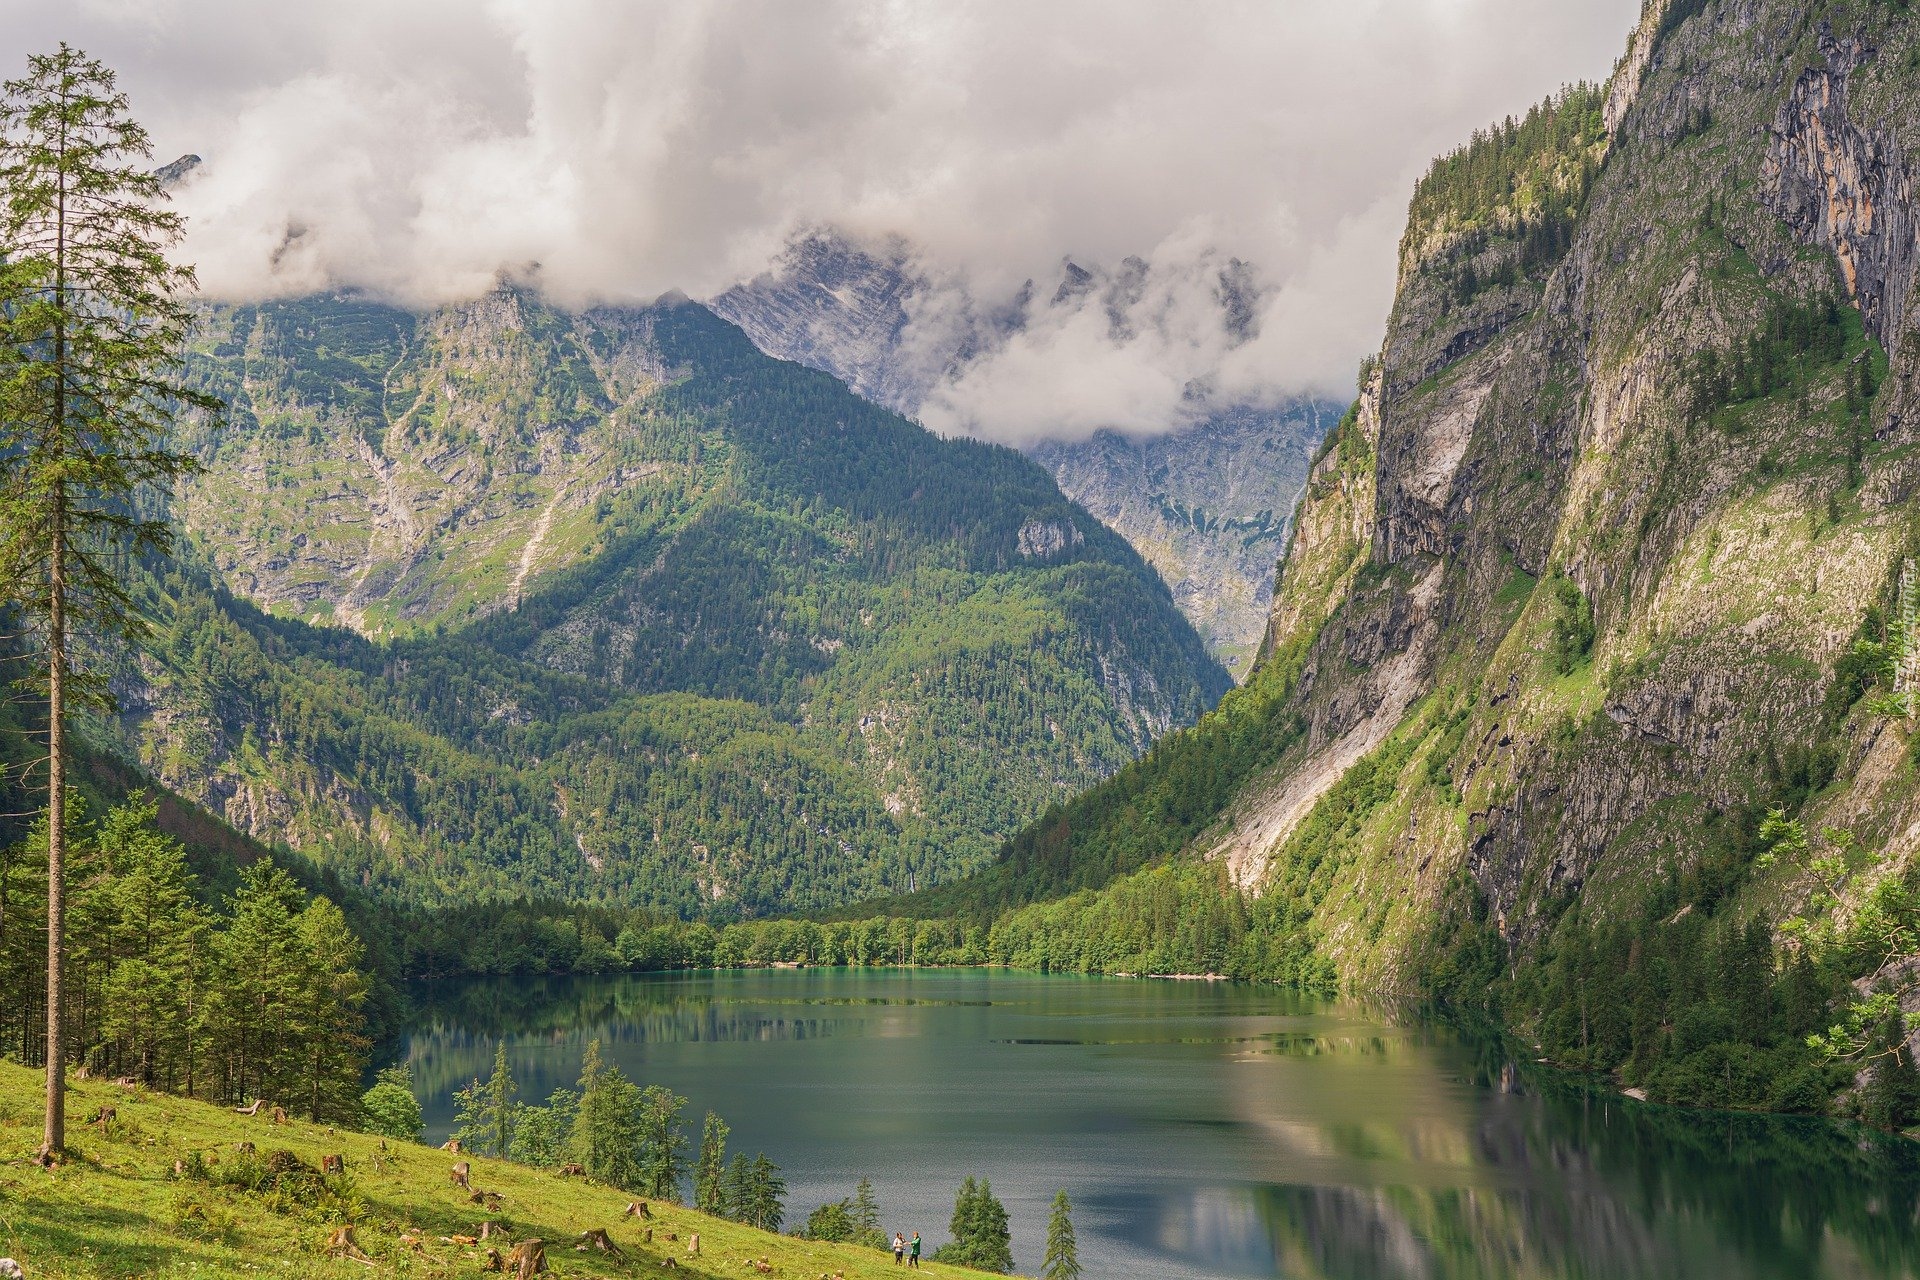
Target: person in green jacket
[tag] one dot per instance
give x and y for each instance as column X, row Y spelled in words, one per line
column 913, row 1252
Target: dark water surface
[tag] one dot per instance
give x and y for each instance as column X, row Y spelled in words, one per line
column 1201, row 1129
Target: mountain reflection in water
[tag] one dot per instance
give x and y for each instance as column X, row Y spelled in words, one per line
column 1203, row 1129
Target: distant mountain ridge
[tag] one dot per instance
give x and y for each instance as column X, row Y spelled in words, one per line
column 502, row 599
column 1207, row 504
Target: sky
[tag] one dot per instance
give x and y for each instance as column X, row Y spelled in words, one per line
column 607, row 151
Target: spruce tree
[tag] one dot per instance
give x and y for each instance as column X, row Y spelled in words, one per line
column 767, row 1202
column 663, row 1162
column 607, row 1131
column 497, row 1117
column 993, row 1242
column 91, row 338
column 866, row 1217
column 710, row 1172
column 1063, row 1259
column 979, row 1229
column 739, row 1188
column 151, row 992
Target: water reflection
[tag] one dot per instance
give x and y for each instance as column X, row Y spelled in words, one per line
column 1208, row 1131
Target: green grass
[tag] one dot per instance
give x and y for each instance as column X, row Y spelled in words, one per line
column 117, row 1209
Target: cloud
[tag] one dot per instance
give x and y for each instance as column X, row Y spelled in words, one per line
column 610, row 150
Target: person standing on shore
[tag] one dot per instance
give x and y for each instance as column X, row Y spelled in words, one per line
column 899, row 1247
column 913, row 1252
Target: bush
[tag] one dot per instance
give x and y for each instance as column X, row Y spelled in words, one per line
column 390, row 1109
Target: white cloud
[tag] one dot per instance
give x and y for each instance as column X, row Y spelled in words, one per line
column 614, row 149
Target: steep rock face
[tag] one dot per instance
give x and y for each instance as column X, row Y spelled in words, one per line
column 1546, row 444
column 1206, row 505
column 1847, row 189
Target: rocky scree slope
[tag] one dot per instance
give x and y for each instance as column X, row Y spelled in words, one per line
column 498, row 599
column 1206, row 504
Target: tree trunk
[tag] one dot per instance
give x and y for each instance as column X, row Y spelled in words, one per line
column 54, row 1139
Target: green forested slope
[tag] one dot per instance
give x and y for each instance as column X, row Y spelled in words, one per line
column 642, row 616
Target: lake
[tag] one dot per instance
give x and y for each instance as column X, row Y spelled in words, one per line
column 1201, row 1129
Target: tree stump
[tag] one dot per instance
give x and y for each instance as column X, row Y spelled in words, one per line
column 638, row 1209
column 451, row 1144
column 459, row 1173
column 528, row 1259
column 280, row 1116
column 103, row 1117
column 333, row 1164
column 572, row 1170
column 649, row 1235
column 340, row 1244
column 244, row 1148
column 599, row 1239
column 492, row 1261
column 693, row 1245
column 253, row 1110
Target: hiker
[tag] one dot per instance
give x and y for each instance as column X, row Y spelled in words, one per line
column 899, row 1247
column 913, row 1252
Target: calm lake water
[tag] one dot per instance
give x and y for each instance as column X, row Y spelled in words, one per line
column 1202, row 1129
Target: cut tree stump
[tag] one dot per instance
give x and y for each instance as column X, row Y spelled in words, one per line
column 333, row 1164
column 528, row 1259
column 253, row 1110
column 693, row 1245
column 492, row 1262
column 599, row 1239
column 638, row 1209
column 280, row 1116
column 103, row 1117
column 340, row 1244
column 451, row 1144
column 572, row 1170
column 459, row 1173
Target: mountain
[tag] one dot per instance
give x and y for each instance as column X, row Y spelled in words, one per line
column 497, row 599
column 1603, row 567
column 1206, row 503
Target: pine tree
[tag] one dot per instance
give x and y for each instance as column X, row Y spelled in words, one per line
column 979, row 1230
column 663, row 1162
column 992, row 1241
column 495, row 1135
column 330, row 1049
column 710, row 1173
column 1063, row 1259
column 91, row 337
column 151, row 995
column 766, row 1204
column 252, row 1013
column 866, row 1217
column 739, row 1188
column 608, row 1129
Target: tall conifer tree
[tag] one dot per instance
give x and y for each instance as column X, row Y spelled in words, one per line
column 1063, row 1256
column 91, row 336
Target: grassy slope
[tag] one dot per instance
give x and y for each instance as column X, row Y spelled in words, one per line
column 116, row 1209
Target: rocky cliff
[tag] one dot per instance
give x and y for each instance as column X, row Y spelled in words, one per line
column 1633, row 462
